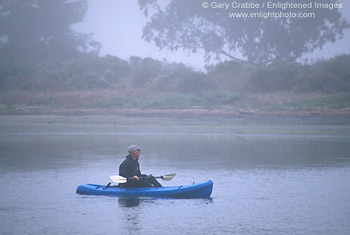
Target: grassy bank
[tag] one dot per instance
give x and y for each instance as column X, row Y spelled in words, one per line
column 317, row 103
column 22, row 102
column 234, row 126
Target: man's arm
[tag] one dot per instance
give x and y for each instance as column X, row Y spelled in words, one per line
column 126, row 172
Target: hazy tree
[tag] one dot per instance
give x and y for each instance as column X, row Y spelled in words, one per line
column 187, row 25
column 35, row 30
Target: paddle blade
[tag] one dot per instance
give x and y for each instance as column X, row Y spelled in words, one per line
column 168, row 177
column 118, row 179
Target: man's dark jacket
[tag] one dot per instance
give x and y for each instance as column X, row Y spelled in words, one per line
column 129, row 167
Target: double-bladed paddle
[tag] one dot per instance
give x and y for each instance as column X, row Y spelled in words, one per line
column 121, row 180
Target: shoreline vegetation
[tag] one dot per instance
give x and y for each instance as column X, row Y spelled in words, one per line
column 170, row 124
column 107, row 102
column 54, row 74
column 108, row 107
column 108, row 112
column 152, row 91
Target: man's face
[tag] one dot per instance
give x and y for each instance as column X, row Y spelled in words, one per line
column 136, row 154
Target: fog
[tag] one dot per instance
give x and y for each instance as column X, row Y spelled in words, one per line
column 118, row 26
column 185, row 53
column 230, row 98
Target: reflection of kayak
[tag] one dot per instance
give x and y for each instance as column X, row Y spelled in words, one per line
column 201, row 190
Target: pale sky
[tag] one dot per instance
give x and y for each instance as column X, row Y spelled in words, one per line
column 117, row 25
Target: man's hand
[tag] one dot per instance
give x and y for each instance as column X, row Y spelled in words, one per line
column 136, row 177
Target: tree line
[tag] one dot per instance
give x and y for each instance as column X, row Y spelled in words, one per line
column 91, row 72
column 39, row 51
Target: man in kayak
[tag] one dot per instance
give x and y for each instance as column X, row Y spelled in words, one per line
column 130, row 169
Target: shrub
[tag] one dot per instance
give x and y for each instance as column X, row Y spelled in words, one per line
column 144, row 70
column 273, row 77
column 13, row 78
column 329, row 76
column 229, row 76
column 84, row 74
column 177, row 77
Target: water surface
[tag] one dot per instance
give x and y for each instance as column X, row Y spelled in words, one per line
column 277, row 183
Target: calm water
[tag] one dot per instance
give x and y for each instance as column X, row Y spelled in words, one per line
column 273, row 184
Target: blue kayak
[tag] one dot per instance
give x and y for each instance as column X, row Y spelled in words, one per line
column 201, row 190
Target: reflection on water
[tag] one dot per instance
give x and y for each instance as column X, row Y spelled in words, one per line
column 129, row 202
column 48, row 152
column 135, row 202
column 262, row 184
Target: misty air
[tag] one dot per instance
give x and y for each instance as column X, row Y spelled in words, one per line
column 175, row 117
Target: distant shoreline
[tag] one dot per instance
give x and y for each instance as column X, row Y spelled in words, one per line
column 179, row 109
column 184, row 116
